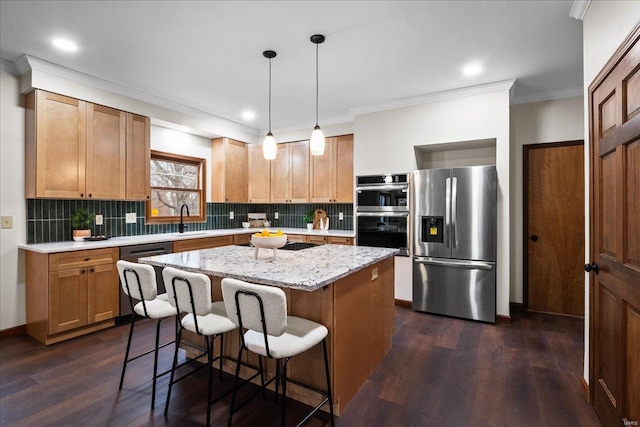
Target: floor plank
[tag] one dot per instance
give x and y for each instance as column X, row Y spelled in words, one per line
column 440, row 372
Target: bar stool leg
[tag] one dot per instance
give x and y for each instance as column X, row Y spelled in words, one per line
column 210, row 363
column 173, row 370
column 221, row 353
column 235, row 387
column 126, row 354
column 326, row 369
column 284, row 391
column 278, row 363
column 155, row 366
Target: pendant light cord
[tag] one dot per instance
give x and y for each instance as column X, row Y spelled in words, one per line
column 270, row 95
column 316, row 84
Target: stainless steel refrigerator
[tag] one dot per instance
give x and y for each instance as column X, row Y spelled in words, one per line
column 453, row 241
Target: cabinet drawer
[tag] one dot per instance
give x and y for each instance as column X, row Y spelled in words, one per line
column 318, row 240
column 297, row 238
column 341, row 241
column 239, row 239
column 65, row 260
column 203, row 243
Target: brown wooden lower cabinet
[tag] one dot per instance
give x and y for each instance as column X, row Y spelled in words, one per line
column 332, row 240
column 358, row 310
column 71, row 293
column 202, row 243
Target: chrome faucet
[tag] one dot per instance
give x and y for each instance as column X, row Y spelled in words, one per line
column 182, row 225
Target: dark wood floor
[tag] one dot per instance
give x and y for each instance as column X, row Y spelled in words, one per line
column 440, row 372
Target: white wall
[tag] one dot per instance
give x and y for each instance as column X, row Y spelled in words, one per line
column 385, row 141
column 534, row 123
column 606, row 25
column 12, row 203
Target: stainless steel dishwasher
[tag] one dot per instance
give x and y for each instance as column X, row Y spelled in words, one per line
column 132, row 254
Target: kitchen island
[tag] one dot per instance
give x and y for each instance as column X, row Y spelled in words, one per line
column 349, row 289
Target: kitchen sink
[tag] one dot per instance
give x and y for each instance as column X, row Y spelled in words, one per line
column 190, row 233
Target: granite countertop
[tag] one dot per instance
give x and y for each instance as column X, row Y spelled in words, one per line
column 307, row 269
column 49, row 248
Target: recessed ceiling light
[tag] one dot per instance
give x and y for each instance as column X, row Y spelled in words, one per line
column 248, row 115
column 472, row 70
column 64, row 44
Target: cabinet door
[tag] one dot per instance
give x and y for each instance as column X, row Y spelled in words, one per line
column 102, row 293
column 343, row 169
column 106, row 155
column 299, row 154
column 341, row 241
column 322, row 186
column 229, row 171
column 259, row 175
column 67, row 299
column 138, row 157
column 318, row 240
column 60, row 124
column 281, row 175
column 202, row 243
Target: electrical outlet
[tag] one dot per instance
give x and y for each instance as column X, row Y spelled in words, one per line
column 276, row 216
column 374, row 273
column 130, row 218
column 231, row 215
column 7, row 222
column 341, row 216
column 98, row 219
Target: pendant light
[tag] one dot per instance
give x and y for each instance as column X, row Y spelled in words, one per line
column 269, row 148
column 317, row 137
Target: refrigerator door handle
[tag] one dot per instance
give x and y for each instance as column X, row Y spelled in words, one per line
column 447, row 211
column 477, row 265
column 454, row 211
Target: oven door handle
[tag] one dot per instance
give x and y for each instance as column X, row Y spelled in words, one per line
column 388, row 214
column 403, row 187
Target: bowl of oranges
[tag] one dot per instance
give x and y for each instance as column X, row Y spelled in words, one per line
column 268, row 240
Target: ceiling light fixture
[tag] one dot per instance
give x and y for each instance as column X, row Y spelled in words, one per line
column 317, row 137
column 248, row 115
column 472, row 70
column 64, row 44
column 269, row 148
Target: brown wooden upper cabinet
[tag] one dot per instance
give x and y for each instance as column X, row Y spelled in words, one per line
column 229, row 173
column 76, row 149
column 138, row 157
column 259, row 175
column 332, row 173
column 290, row 173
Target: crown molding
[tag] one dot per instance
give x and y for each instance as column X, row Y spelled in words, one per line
column 579, row 9
column 27, row 63
column 548, row 96
column 434, row 97
column 8, row 67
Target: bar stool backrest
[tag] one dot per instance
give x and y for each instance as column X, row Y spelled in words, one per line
column 188, row 292
column 255, row 307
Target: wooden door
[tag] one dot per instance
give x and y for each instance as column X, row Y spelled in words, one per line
column 259, row 175
column 102, row 293
column 344, row 169
column 614, row 113
column 59, row 146
column 281, row 175
column 67, row 299
column 138, row 157
column 299, row 172
column 554, row 227
column 106, row 153
column 322, row 186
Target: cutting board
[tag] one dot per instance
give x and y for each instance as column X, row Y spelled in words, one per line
column 317, row 214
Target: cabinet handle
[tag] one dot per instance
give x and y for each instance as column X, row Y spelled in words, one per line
column 87, row 259
column 91, row 270
column 81, row 271
column 90, row 195
column 81, row 194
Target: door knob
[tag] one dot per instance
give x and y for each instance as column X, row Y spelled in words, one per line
column 592, row 267
column 534, row 237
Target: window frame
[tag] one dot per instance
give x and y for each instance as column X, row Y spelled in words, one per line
column 198, row 162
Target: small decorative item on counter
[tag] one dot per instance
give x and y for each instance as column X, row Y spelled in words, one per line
column 268, row 240
column 308, row 218
column 81, row 220
column 246, row 224
column 324, row 224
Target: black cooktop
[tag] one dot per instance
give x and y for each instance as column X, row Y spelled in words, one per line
column 291, row 246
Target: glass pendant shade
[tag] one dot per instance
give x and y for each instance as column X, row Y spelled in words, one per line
column 269, row 148
column 317, row 142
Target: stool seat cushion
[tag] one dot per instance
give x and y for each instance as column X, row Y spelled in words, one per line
column 299, row 336
column 157, row 308
column 214, row 323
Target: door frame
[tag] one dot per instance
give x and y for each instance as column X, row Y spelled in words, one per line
column 617, row 56
column 525, row 208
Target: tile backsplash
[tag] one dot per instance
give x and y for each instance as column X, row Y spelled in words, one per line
column 48, row 219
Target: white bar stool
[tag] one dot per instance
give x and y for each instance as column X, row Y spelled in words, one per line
column 139, row 283
column 262, row 311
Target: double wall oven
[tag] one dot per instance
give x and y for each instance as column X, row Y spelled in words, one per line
column 382, row 211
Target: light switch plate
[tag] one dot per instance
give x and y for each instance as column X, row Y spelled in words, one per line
column 98, row 219
column 276, row 216
column 130, row 218
column 7, row 222
column 231, row 215
column 341, row 216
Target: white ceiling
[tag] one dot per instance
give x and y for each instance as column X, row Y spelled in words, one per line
column 207, row 55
